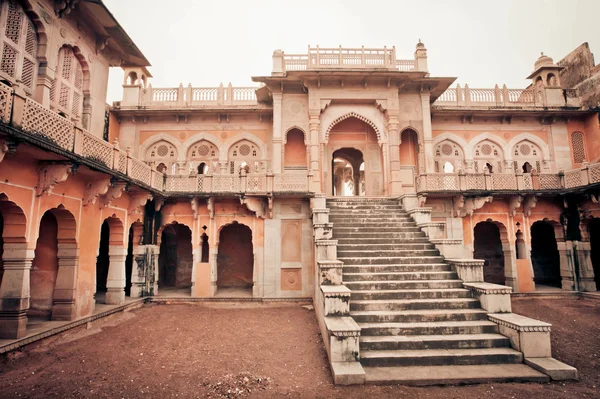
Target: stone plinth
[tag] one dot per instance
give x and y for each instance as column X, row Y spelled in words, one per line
column 529, row 336
column 330, row 272
column 468, row 270
column 494, row 298
column 336, row 300
column 320, row 216
column 450, row 248
column 326, row 249
column 323, row 231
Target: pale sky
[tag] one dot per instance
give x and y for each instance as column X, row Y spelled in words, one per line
column 480, row 42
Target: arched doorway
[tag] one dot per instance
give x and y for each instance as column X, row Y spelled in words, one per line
column 488, row 246
column 129, row 262
column 175, row 261
column 356, row 141
column 102, row 263
column 544, row 255
column 235, row 259
column 110, row 263
column 294, row 151
column 44, row 268
column 594, row 231
column 348, row 173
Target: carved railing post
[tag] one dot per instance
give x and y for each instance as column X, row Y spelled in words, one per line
column 561, row 176
column 520, row 180
column 243, row 179
column 270, row 181
column 585, row 174
column 189, row 95
column 488, row 179
column 462, row 180
column 180, row 94
column 229, row 99
column 505, row 98
column 78, row 142
column 467, row 95
column 497, row 95
column 207, row 183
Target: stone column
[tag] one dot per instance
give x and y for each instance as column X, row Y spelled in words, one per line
column 196, row 257
column 510, row 266
column 386, row 168
column 44, row 85
column 565, row 251
column 138, row 275
column 314, row 125
column 14, row 291
column 115, row 284
column 277, row 134
column 427, row 134
column 65, row 290
column 394, row 140
column 586, row 269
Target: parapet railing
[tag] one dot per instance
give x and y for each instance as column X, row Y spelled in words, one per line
column 33, row 118
column 462, row 181
column 505, row 97
column 346, row 58
column 198, row 96
column 251, row 183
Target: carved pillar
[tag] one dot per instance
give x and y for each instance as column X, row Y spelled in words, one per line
column 138, row 271
column 386, row 168
column 583, row 251
column 565, row 251
column 394, row 140
column 66, row 282
column 325, row 168
column 44, row 85
column 510, row 265
column 115, row 283
column 276, row 164
column 314, row 125
column 14, row 291
column 427, row 134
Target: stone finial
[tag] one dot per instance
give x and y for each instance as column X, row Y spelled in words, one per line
column 420, row 45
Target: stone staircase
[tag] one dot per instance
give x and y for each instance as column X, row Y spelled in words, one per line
column 419, row 325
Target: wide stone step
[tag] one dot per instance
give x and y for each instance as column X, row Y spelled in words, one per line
column 418, row 316
column 455, row 374
column 379, row 213
column 400, row 276
column 410, row 294
column 403, row 284
column 375, row 229
column 390, row 260
column 357, row 240
column 363, row 236
column 349, row 223
column 389, row 268
column 392, row 218
column 413, row 304
column 388, row 253
column 439, row 357
column 426, row 328
column 379, row 205
column 421, row 342
column 382, row 247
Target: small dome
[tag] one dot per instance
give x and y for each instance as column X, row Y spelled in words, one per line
column 420, row 44
column 544, row 60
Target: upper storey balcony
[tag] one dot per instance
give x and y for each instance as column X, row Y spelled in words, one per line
column 348, row 59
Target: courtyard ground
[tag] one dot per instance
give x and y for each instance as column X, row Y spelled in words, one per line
column 256, row 350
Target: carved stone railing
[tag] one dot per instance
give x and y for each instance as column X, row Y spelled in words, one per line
column 504, row 97
column 198, row 96
column 346, row 58
column 503, row 182
column 5, row 102
column 251, row 183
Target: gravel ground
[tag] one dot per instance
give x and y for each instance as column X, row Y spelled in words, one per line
column 255, row 350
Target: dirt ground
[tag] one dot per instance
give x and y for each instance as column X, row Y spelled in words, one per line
column 256, row 350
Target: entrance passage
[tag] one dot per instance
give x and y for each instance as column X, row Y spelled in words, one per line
column 102, row 263
column 235, row 259
column 488, row 246
column 544, row 255
column 595, row 245
column 175, row 261
column 348, row 173
column 44, row 268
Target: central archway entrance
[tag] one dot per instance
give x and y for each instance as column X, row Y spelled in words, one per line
column 348, row 173
column 235, row 259
column 175, row 261
column 488, row 246
column 544, row 256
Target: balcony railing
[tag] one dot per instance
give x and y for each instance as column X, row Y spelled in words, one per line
column 198, row 96
column 502, row 182
column 251, row 183
column 346, row 58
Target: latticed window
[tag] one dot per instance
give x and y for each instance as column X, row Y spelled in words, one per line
column 244, row 151
column 488, row 154
column 67, row 88
column 525, row 152
column 162, row 152
column 578, row 144
column 19, row 42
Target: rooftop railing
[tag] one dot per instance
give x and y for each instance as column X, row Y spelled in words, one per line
column 198, row 96
column 340, row 58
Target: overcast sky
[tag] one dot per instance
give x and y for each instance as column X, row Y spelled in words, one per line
column 480, row 42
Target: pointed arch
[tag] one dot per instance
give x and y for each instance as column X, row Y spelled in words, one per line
column 542, row 145
column 295, row 127
column 378, row 132
column 451, row 137
column 470, row 148
column 186, row 145
column 162, row 137
column 231, row 141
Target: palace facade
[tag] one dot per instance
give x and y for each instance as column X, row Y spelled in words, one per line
column 225, row 191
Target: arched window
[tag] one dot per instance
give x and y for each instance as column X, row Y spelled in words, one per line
column 202, row 168
column 162, row 152
column 448, row 152
column 527, row 156
column 578, row 145
column 487, row 154
column 67, row 88
column 244, row 151
column 203, row 151
column 19, row 46
column 294, row 150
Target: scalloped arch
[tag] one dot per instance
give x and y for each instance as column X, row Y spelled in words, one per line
column 360, row 118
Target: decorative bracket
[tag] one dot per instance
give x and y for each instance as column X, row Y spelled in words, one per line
column 137, row 200
column 210, row 204
column 195, row 202
column 529, row 203
column 466, row 206
column 254, row 204
column 114, row 192
column 270, row 199
column 64, row 7
column 7, row 146
column 514, row 203
column 50, row 174
column 94, row 189
column 159, row 201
